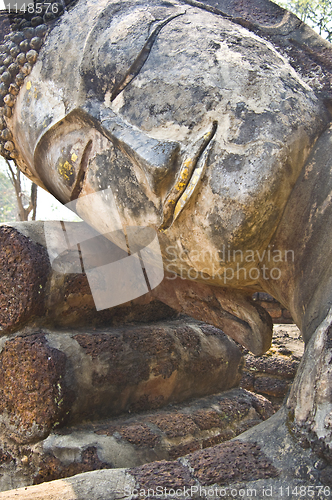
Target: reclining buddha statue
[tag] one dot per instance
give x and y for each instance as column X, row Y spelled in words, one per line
column 209, row 123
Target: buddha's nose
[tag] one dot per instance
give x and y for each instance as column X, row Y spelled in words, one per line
column 158, row 159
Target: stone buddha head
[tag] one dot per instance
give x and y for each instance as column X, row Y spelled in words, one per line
column 198, row 126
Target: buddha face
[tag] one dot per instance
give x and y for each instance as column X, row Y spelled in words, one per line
column 199, row 127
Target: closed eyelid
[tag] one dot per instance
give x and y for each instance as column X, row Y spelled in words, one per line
column 82, row 171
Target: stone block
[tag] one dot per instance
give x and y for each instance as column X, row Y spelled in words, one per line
column 273, row 365
column 275, row 313
column 270, row 386
column 49, row 378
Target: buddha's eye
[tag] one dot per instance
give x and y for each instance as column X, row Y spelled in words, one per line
column 81, row 171
column 118, row 49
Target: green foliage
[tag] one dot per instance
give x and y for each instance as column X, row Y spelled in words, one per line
column 316, row 13
column 8, row 208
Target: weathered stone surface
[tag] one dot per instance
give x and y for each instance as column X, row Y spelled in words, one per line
column 24, row 269
column 287, row 463
column 51, row 468
column 271, row 387
column 295, row 464
column 232, row 310
column 139, row 434
column 308, row 289
column 110, row 119
column 231, row 462
column 165, row 434
column 67, row 301
column 206, row 419
column 273, row 373
column 147, row 367
column 164, row 474
column 263, row 407
column 133, row 440
column 50, row 377
column 101, row 485
column 326, row 476
column 274, row 308
column 310, row 403
column 190, row 421
column 175, row 426
column 34, row 396
column 273, row 365
column 5, row 457
column 247, row 381
column 309, row 54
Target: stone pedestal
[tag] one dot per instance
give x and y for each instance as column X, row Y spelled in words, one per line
column 49, row 378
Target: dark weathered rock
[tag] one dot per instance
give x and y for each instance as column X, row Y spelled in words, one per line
column 273, row 365
column 326, row 476
column 51, row 467
column 34, row 396
column 273, row 373
column 24, row 270
column 165, row 474
column 225, row 467
column 133, row 440
column 231, row 462
column 270, row 386
column 50, row 377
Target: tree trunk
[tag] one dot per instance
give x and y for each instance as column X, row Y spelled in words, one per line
column 23, row 212
column 33, row 199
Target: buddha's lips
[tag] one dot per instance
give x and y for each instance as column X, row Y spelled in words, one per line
column 190, row 173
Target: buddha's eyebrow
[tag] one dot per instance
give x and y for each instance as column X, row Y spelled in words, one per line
column 140, row 60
